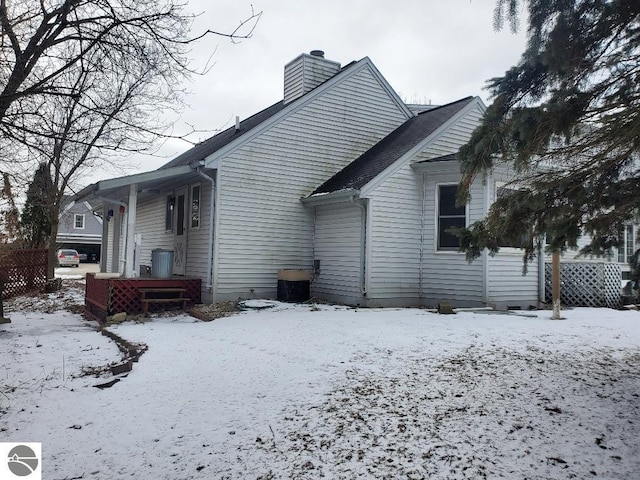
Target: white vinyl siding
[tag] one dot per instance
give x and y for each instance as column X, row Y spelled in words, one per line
column 507, row 285
column 117, row 219
column 394, row 239
column 455, row 136
column 150, row 224
column 338, row 239
column 198, row 238
column 446, row 275
column 305, row 73
column 262, row 225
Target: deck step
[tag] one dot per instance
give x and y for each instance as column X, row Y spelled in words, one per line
column 162, row 295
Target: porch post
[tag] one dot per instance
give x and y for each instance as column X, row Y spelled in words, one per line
column 104, row 247
column 131, row 231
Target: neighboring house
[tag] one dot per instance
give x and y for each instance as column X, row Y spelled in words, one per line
column 341, row 178
column 621, row 255
column 80, row 229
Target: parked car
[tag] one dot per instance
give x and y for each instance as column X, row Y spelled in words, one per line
column 83, row 256
column 68, row 258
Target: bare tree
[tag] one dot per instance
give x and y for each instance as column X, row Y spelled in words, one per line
column 81, row 79
column 107, row 111
column 42, row 39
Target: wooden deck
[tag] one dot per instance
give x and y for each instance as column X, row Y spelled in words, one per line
column 107, row 296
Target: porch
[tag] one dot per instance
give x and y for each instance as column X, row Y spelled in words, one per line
column 107, row 296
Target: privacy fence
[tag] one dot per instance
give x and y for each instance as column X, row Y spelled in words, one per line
column 22, row 271
column 587, row 284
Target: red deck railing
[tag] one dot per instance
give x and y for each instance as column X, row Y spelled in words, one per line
column 23, row 271
column 107, row 296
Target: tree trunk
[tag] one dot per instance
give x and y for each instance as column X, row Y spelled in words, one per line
column 555, row 285
column 53, row 247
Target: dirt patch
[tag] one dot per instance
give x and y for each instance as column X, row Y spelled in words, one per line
column 211, row 312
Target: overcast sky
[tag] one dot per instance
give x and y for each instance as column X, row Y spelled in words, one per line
column 430, row 51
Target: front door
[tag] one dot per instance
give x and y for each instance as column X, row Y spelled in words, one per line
column 180, row 237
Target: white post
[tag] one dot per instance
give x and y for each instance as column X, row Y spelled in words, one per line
column 131, row 230
column 555, row 285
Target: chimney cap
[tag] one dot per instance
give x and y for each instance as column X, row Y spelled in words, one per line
column 317, row 53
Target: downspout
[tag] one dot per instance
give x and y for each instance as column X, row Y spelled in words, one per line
column 208, row 286
column 422, row 226
column 362, row 203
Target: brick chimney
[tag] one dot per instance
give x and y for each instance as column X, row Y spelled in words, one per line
column 306, row 72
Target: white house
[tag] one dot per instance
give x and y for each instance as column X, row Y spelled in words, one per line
column 80, row 229
column 341, row 179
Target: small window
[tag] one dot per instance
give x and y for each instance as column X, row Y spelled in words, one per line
column 78, row 221
column 449, row 216
column 627, row 244
column 195, row 206
column 168, row 214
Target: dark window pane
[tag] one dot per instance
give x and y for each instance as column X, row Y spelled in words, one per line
column 448, row 201
column 180, row 218
column 445, row 238
column 168, row 215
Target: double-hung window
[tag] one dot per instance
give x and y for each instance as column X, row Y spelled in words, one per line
column 449, row 216
column 78, row 221
column 628, row 243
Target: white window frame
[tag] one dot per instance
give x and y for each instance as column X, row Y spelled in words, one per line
column 624, row 252
column 76, row 217
column 170, row 203
column 196, row 225
column 446, row 250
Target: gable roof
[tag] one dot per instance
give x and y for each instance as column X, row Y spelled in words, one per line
column 203, row 149
column 255, row 123
column 184, row 165
column 372, row 162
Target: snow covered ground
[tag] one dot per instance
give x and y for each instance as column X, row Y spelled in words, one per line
column 306, row 392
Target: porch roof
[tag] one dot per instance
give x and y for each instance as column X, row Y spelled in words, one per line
column 154, row 182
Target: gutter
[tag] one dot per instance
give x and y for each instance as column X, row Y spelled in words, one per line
column 331, row 197
column 208, row 286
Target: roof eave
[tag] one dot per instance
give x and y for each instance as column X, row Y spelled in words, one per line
column 330, row 197
column 299, row 103
column 407, row 156
column 97, row 188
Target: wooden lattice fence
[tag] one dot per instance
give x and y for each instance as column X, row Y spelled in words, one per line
column 106, row 296
column 22, row 271
column 587, row 284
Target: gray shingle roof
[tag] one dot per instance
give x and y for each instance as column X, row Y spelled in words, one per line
column 203, row 149
column 371, row 163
